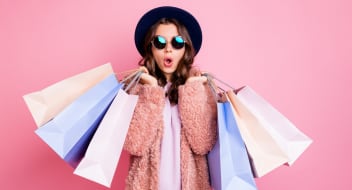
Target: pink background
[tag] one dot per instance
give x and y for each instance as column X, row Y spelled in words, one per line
column 295, row 53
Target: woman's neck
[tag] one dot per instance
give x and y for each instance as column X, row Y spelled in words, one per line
column 168, row 77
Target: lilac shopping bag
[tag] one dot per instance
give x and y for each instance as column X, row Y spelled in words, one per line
column 69, row 133
column 228, row 161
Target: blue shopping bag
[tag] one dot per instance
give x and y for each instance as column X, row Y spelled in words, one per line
column 70, row 132
column 228, row 161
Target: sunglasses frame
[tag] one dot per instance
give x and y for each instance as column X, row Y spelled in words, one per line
column 173, row 42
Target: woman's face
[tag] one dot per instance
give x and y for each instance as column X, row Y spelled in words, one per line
column 168, row 58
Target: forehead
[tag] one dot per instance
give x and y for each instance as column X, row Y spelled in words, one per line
column 167, row 30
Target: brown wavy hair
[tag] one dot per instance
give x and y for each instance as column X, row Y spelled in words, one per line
column 181, row 74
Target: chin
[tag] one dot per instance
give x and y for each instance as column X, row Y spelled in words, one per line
column 168, row 71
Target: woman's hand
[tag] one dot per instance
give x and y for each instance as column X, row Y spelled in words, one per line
column 203, row 79
column 146, row 78
column 198, row 77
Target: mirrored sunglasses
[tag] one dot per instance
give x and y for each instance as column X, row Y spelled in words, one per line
column 177, row 42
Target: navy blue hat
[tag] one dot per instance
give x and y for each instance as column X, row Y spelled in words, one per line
column 152, row 16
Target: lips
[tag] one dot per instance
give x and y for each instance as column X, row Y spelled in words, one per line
column 168, row 62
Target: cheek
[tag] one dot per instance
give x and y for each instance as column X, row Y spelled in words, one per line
column 180, row 54
column 157, row 55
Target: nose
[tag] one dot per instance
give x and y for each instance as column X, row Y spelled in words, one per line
column 168, row 47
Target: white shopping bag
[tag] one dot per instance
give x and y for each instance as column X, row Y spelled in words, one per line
column 291, row 140
column 265, row 153
column 103, row 153
column 45, row 104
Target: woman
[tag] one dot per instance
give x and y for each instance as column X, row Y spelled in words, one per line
column 174, row 123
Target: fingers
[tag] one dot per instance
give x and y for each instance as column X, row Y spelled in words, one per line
column 202, row 79
column 144, row 69
column 204, row 73
column 148, row 79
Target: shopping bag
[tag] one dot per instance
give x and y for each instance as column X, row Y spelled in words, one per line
column 291, row 140
column 265, row 153
column 48, row 102
column 228, row 161
column 101, row 158
column 69, row 133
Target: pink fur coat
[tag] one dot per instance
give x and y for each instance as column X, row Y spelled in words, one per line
column 197, row 109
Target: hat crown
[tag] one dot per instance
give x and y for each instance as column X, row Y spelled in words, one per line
column 154, row 15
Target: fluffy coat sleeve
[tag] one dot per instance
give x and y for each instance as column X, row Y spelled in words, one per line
column 146, row 120
column 198, row 114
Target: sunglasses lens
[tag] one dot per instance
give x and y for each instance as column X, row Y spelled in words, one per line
column 178, row 42
column 159, row 42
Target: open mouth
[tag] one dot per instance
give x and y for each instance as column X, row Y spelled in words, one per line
column 168, row 62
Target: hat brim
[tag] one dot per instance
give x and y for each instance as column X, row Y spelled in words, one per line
column 152, row 16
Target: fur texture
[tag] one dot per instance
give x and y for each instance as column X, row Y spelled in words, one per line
column 197, row 109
